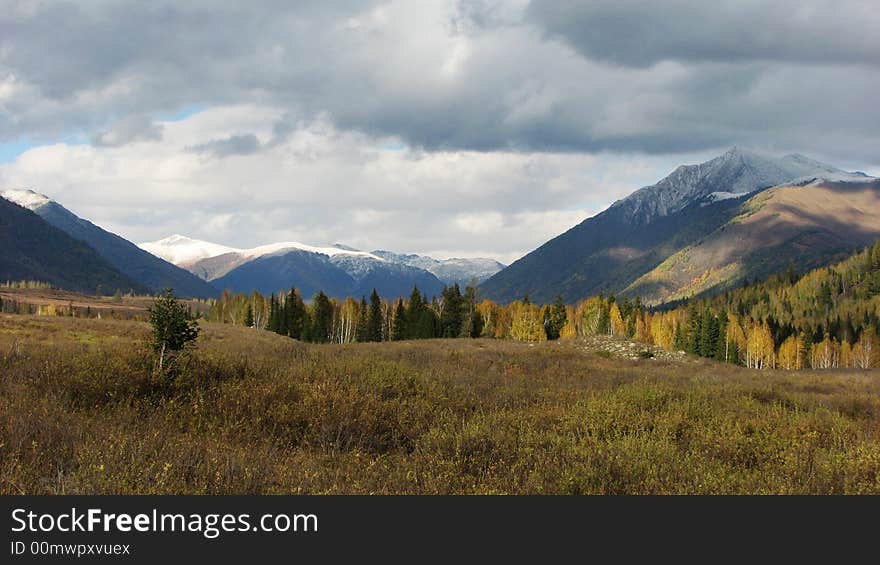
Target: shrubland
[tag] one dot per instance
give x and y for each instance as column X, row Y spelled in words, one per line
column 82, row 410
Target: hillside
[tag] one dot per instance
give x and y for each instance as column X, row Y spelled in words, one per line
column 805, row 226
column 149, row 270
column 612, row 250
column 32, row 249
column 826, row 318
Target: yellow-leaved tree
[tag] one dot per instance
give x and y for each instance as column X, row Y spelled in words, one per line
column 527, row 323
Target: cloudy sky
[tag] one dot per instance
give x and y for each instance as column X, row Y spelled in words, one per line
column 456, row 128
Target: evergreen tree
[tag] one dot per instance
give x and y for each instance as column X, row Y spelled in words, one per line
column 249, row 316
column 709, row 333
column 321, row 318
column 400, row 322
column 272, row 326
column 363, row 325
column 294, row 315
column 414, row 314
column 450, row 316
column 174, row 330
column 374, row 321
column 556, row 317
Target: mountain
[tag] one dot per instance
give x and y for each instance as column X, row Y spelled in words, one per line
column 150, row 271
column 459, row 271
column 339, row 271
column 33, row 249
column 806, row 225
column 613, row 250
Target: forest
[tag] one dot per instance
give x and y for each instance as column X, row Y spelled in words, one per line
column 827, row 318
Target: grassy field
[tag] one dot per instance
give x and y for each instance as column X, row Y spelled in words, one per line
column 126, row 307
column 254, row 412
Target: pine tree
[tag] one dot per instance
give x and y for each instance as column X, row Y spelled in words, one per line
column 400, row 322
column 374, row 321
column 363, row 325
column 322, row 316
column 294, row 316
column 413, row 315
column 450, row 317
column 174, row 330
column 272, row 326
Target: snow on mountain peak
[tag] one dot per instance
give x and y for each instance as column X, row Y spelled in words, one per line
column 284, row 246
column 180, row 249
column 26, row 198
column 736, row 172
column 183, row 250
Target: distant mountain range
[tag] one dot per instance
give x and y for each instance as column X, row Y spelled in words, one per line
column 338, row 270
column 38, row 243
column 703, row 229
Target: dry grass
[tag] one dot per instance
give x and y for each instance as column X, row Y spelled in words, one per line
column 107, row 306
column 257, row 413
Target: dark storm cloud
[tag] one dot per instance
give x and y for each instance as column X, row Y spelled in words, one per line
column 641, row 33
column 477, row 74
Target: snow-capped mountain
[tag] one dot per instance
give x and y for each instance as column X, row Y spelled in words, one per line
column 735, row 173
column 148, row 270
column 183, row 251
column 634, row 236
column 459, row 271
column 395, row 273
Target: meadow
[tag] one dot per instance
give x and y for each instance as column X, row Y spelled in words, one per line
column 256, row 413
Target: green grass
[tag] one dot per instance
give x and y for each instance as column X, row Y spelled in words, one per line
column 257, row 413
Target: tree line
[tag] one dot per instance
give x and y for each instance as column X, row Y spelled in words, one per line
column 827, row 318
column 453, row 314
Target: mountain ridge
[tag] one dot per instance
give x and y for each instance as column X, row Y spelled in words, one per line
column 141, row 266
column 611, row 250
column 213, row 262
column 33, row 249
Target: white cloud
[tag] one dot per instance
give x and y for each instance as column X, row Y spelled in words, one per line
column 446, row 126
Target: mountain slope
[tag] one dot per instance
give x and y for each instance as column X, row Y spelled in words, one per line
column 339, row 276
column 149, row 270
column 32, row 249
column 809, row 225
column 610, row 251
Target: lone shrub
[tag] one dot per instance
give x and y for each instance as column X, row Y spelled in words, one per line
column 174, row 330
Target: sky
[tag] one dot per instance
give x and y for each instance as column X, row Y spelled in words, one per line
column 451, row 128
